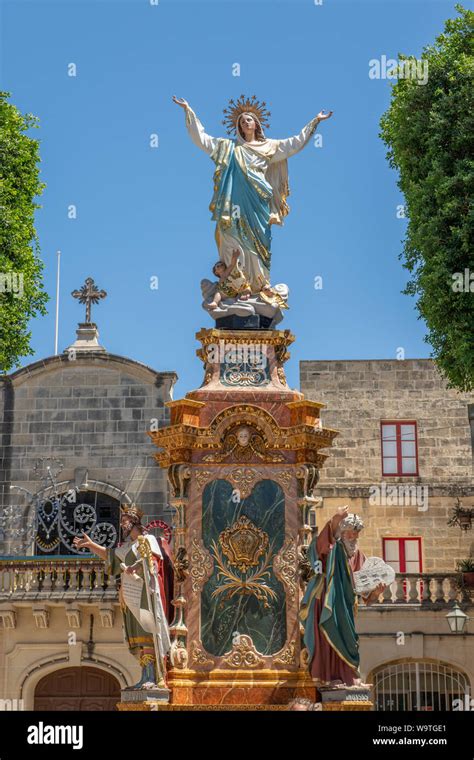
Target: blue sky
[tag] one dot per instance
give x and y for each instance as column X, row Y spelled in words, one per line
column 143, row 211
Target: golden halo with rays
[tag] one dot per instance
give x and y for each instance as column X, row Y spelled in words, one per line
column 244, row 105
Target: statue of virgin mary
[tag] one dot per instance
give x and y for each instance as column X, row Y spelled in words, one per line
column 250, row 183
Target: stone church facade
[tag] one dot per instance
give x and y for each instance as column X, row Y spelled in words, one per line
column 74, row 427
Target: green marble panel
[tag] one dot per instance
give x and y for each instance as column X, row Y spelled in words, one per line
column 223, row 617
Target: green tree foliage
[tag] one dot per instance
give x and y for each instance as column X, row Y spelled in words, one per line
column 21, row 286
column 429, row 132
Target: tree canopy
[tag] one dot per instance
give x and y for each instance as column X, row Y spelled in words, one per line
column 429, row 131
column 21, row 286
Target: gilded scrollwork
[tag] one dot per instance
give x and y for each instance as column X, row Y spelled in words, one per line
column 285, row 477
column 245, row 414
column 244, row 478
column 202, row 565
column 305, row 570
column 241, row 546
column 285, row 566
column 288, row 656
column 269, row 440
column 202, row 477
column 178, row 476
column 178, row 655
column 199, row 656
column 307, row 476
column 304, row 659
column 243, row 654
column 244, row 374
column 208, row 374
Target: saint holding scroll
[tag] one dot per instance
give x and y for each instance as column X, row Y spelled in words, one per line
column 328, row 606
column 142, row 563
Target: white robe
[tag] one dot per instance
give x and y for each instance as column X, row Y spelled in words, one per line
column 269, row 158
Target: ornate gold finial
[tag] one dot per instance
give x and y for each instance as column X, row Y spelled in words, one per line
column 245, row 105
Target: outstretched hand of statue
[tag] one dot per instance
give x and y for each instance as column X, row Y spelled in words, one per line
column 180, row 102
column 83, row 542
column 322, row 116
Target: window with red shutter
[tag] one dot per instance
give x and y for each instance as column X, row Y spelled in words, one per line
column 399, row 448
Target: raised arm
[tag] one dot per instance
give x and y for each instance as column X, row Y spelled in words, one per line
column 195, row 128
column 292, row 145
column 327, row 537
column 86, row 542
column 229, row 268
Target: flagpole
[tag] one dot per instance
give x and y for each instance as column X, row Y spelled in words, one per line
column 56, row 330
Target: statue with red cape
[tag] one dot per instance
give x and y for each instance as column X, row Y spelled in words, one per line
column 328, row 606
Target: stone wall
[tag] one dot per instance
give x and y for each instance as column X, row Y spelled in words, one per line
column 359, row 395
column 93, row 412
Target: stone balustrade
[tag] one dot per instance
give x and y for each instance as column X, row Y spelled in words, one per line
column 55, row 579
column 64, row 578
column 424, row 590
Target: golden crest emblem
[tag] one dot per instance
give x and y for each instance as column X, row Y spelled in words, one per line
column 243, row 544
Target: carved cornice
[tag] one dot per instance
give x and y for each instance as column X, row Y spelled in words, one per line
column 178, row 441
column 280, row 339
column 202, row 477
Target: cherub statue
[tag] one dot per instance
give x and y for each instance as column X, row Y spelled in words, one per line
column 232, row 281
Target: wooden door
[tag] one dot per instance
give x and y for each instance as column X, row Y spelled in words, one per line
column 80, row 688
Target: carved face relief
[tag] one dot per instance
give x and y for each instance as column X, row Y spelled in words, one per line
column 243, row 436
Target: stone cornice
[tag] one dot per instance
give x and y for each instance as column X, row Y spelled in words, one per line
column 90, row 359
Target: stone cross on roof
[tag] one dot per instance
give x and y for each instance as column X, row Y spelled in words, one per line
column 89, row 294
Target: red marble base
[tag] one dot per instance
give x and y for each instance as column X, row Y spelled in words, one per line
column 239, row 695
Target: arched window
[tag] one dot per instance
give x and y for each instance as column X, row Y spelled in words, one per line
column 420, row 686
column 59, row 520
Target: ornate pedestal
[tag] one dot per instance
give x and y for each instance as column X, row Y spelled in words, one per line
column 140, row 699
column 346, row 698
column 243, row 454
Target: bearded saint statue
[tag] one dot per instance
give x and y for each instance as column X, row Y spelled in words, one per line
column 146, row 624
column 328, row 606
column 250, row 186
